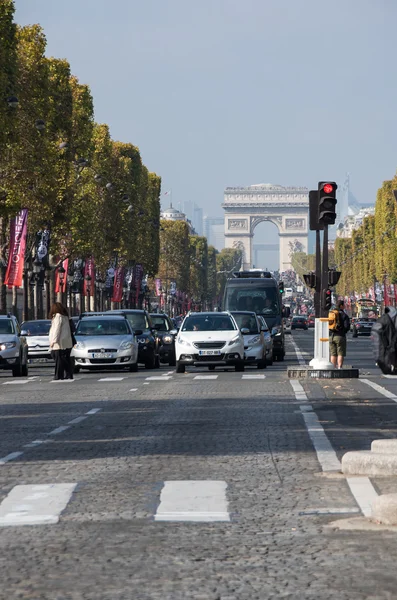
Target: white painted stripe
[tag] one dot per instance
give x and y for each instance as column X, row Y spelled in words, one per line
column 298, row 353
column 35, row 504
column 9, row 457
column 16, row 382
column 253, row 376
column 363, row 492
column 93, row 411
column 77, row 420
column 34, row 444
column 134, row 390
column 146, row 383
column 325, row 453
column 206, row 377
column 299, row 392
column 170, row 373
column 193, row 501
column 380, row 389
column 59, row 430
column 111, row 379
column 329, row 511
column 158, row 378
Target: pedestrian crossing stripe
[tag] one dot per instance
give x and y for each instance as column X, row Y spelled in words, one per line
column 254, row 376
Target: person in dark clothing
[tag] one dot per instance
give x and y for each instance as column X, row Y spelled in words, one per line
column 337, row 337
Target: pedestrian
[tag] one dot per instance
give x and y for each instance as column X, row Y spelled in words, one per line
column 60, row 341
column 339, row 325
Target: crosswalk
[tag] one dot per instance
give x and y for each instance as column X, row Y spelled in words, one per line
column 152, row 378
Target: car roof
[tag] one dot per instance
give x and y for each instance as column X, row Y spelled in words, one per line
column 243, row 312
column 37, row 321
column 212, row 314
column 126, row 311
column 107, row 317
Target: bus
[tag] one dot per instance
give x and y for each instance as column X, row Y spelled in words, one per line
column 259, row 292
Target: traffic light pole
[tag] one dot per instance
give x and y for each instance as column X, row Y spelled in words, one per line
column 317, row 292
column 324, row 274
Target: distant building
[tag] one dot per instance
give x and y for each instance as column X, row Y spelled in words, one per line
column 353, row 222
column 173, row 214
column 214, row 231
column 195, row 214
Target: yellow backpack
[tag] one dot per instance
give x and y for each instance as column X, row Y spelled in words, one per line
column 334, row 323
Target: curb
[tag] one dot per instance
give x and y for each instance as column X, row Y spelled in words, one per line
column 308, row 373
column 384, row 509
column 369, row 463
column 384, row 446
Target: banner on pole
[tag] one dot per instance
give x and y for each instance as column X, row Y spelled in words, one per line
column 16, row 257
column 89, row 269
column 118, row 285
column 65, row 265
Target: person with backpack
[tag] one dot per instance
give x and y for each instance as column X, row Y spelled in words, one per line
column 384, row 337
column 339, row 325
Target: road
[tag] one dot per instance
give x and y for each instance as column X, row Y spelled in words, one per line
column 203, row 486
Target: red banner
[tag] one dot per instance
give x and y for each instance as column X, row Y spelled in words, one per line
column 58, row 287
column 16, row 257
column 118, row 285
column 89, row 269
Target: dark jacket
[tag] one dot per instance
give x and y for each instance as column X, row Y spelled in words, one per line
column 384, row 337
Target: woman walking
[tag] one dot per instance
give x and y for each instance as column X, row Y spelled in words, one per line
column 60, row 341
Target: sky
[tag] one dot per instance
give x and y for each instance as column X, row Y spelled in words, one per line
column 221, row 93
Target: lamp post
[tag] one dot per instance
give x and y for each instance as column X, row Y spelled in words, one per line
column 88, row 290
column 48, row 273
column 37, row 266
column 62, row 281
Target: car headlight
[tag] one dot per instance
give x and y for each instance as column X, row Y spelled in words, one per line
column 254, row 340
column 276, row 330
column 126, row 346
column 145, row 340
column 183, row 342
column 79, row 345
column 167, row 339
column 235, row 340
column 7, row 345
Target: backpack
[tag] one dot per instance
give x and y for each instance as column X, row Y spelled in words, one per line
column 338, row 322
column 384, row 336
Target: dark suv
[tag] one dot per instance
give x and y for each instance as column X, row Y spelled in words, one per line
column 166, row 333
column 146, row 335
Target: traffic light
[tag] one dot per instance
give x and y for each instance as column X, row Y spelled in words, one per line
column 333, row 277
column 281, row 287
column 310, row 279
column 314, row 224
column 327, row 202
column 327, row 299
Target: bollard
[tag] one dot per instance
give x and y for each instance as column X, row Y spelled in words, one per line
column 321, row 346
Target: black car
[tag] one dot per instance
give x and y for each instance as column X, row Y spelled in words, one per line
column 146, row 335
column 166, row 334
column 362, row 326
column 299, row 323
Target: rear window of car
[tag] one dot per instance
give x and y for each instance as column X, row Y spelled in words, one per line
column 299, row 319
column 6, row 326
column 247, row 322
column 96, row 327
column 160, row 323
column 208, row 323
column 36, row 327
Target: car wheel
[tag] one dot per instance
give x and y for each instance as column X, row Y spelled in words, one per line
column 157, row 362
column 180, row 368
column 262, row 364
column 76, row 370
column 25, row 370
column 211, row 368
column 240, row 367
column 133, row 368
column 17, row 369
column 270, row 360
column 151, row 362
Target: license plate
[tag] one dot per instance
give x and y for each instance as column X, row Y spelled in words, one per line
column 40, row 360
column 210, row 353
column 102, row 355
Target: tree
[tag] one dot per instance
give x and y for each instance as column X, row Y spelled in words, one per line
column 198, row 286
column 174, row 254
column 227, row 261
column 211, row 275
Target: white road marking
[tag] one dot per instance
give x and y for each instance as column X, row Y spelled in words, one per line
column 16, row 382
column 35, row 504
column 325, row 453
column 77, row 420
column 9, row 457
column 158, row 378
column 380, row 389
column 298, row 353
column 329, row 511
column 206, row 377
column 146, row 383
column 203, row 501
column 134, row 390
column 299, row 392
column 169, row 373
column 111, row 379
column 93, row 411
column 363, row 492
column 59, row 430
column 34, row 444
column 253, row 376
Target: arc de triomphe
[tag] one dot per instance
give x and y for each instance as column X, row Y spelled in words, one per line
column 286, row 207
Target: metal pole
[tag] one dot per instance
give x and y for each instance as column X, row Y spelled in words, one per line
column 317, row 293
column 324, row 274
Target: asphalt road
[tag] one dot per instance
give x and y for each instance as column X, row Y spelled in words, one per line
column 197, row 486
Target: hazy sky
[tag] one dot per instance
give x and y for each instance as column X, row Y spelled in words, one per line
column 219, row 93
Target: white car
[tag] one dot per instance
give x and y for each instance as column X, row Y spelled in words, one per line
column 38, row 339
column 209, row 339
column 254, row 340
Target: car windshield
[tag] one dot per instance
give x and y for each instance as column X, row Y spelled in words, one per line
column 263, row 300
column 138, row 320
column 245, row 321
column 208, row 323
column 6, row 326
column 36, row 327
column 160, row 323
column 96, row 327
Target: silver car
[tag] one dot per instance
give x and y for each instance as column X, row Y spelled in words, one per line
column 254, row 341
column 105, row 342
column 37, row 337
column 268, row 339
column 13, row 347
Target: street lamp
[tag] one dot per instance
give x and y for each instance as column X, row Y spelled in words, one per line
column 62, row 281
column 13, row 102
column 37, row 266
column 88, row 288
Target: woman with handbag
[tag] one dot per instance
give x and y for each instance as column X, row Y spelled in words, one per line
column 60, row 341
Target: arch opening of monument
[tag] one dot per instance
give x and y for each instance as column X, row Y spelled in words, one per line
column 266, row 246
column 285, row 207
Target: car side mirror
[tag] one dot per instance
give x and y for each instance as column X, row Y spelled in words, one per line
column 23, row 332
column 174, row 331
column 138, row 332
column 245, row 331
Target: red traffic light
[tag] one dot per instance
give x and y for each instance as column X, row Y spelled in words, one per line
column 328, row 188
